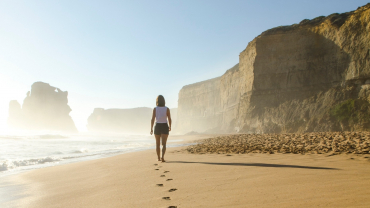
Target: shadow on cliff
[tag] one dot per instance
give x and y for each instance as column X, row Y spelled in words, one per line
column 296, row 65
column 293, row 66
column 258, row 165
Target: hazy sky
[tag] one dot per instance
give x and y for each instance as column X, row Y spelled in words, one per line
column 122, row 54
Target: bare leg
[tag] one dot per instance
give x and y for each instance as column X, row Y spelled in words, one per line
column 157, row 145
column 164, row 142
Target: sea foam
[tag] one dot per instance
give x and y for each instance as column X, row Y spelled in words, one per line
column 25, row 152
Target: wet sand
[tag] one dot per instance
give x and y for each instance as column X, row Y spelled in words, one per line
column 202, row 180
column 10, row 192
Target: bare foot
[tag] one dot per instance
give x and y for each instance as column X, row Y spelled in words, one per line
column 163, row 160
column 159, row 159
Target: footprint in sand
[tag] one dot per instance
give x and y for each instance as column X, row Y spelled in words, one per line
column 172, row 207
column 166, row 171
column 170, row 179
column 155, row 164
column 166, row 198
column 163, row 175
column 172, row 190
column 160, row 185
column 156, row 169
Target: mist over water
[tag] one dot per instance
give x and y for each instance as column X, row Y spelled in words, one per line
column 25, row 152
column 41, row 132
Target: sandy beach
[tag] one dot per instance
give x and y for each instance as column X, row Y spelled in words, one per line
column 266, row 104
column 201, row 180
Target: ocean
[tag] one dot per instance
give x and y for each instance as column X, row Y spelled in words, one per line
column 20, row 153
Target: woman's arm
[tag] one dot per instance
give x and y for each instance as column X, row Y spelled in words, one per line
column 169, row 118
column 152, row 122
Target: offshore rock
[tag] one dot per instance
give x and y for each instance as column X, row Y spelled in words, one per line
column 311, row 76
column 44, row 108
column 132, row 121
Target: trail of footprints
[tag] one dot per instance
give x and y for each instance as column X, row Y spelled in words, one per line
column 161, row 185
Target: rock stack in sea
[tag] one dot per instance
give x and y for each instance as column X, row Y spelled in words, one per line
column 44, row 109
column 311, row 143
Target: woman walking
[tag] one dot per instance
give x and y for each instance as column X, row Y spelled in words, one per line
column 161, row 130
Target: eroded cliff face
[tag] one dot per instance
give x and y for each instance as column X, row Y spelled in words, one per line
column 44, row 108
column 290, row 79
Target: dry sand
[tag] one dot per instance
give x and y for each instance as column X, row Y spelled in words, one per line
column 202, row 180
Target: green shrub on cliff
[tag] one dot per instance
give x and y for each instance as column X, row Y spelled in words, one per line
column 344, row 110
column 354, row 113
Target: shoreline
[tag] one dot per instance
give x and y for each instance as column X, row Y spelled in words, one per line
column 201, row 180
column 184, row 141
column 13, row 189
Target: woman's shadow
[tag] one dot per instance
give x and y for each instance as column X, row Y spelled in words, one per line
column 259, row 165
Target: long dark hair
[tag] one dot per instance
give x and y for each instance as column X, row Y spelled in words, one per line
column 160, row 101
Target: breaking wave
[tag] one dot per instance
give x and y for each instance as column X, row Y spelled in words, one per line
column 25, row 152
column 8, row 164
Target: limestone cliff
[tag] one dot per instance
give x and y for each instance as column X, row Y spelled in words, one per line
column 44, row 108
column 132, row 121
column 290, row 79
column 199, row 106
